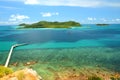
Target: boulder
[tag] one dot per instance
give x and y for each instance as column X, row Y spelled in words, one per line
column 25, row 74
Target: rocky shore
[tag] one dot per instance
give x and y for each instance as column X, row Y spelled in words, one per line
column 24, row 74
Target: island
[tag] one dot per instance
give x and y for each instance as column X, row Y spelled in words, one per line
column 102, row 24
column 46, row 24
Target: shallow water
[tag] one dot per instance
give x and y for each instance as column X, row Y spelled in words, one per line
column 103, row 57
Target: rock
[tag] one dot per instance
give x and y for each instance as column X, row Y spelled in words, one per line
column 15, row 64
column 25, row 74
column 30, row 63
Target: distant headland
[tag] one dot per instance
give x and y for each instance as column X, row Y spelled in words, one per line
column 102, row 24
column 46, row 24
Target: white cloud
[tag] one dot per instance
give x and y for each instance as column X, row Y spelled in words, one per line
column 15, row 22
column 8, row 23
column 8, row 7
column 48, row 14
column 18, row 17
column 114, row 4
column 81, row 3
column 32, row 2
column 103, row 19
column 15, row 19
column 3, row 22
column 117, row 19
column 91, row 19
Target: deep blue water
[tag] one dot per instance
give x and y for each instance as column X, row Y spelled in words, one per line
column 88, row 35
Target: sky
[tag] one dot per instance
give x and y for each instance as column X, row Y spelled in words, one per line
column 83, row 11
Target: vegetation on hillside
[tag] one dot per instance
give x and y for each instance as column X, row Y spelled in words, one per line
column 94, row 78
column 5, row 71
column 46, row 24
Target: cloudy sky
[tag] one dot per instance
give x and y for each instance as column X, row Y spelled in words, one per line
column 83, row 11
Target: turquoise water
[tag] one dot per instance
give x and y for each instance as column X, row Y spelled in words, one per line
column 89, row 45
column 86, row 36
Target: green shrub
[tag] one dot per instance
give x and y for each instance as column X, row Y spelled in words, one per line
column 112, row 78
column 94, row 78
column 5, row 71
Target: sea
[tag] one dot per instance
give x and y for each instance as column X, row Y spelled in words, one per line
column 88, row 45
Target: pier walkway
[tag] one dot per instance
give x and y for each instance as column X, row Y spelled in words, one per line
column 10, row 53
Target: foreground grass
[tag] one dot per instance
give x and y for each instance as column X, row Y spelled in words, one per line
column 5, row 71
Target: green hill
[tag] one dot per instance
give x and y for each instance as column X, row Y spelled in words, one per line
column 46, row 24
